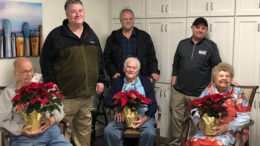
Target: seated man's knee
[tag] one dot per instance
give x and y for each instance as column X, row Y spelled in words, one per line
column 149, row 133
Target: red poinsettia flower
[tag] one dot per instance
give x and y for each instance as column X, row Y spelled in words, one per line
column 210, row 104
column 132, row 99
column 42, row 97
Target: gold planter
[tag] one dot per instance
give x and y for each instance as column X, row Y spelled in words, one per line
column 208, row 123
column 34, row 119
column 130, row 117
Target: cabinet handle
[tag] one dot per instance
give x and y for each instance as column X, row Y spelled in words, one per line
column 210, row 28
column 165, row 94
column 162, row 28
column 165, row 28
column 258, row 29
column 207, row 6
column 162, row 8
column 160, row 93
column 211, row 6
column 259, row 104
column 166, row 8
column 259, row 4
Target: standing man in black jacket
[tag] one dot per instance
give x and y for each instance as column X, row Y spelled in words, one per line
column 129, row 41
column 72, row 58
column 193, row 61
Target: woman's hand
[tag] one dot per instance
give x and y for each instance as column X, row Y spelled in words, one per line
column 221, row 129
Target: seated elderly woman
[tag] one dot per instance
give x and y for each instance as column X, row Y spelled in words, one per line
column 11, row 120
column 146, row 121
column 237, row 107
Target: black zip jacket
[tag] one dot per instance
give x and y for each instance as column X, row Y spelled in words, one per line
column 144, row 52
column 193, row 64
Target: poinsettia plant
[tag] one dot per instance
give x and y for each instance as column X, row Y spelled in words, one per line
column 213, row 105
column 41, row 97
column 132, row 99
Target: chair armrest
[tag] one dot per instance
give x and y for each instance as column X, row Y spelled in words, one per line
column 65, row 125
column 185, row 133
column 5, row 136
column 240, row 131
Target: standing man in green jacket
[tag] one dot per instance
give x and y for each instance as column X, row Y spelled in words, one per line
column 72, row 58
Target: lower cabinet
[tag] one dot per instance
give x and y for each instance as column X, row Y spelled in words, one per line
column 163, row 95
column 255, row 115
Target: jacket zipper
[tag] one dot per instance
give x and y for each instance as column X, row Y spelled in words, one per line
column 192, row 51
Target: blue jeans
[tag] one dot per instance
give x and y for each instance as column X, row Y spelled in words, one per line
column 114, row 130
column 51, row 137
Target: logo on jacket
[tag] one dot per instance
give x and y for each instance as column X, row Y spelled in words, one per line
column 91, row 42
column 202, row 52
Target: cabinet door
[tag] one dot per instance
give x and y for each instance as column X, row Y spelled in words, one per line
column 221, row 31
column 115, row 24
column 246, row 50
column 163, row 96
column 175, row 30
column 155, row 8
column 138, row 7
column 247, row 7
column 222, row 7
column 115, row 7
column 175, row 8
column 156, row 29
column 198, row 7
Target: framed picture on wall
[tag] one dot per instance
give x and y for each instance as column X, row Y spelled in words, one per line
column 20, row 29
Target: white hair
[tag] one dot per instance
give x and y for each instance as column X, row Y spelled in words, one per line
column 133, row 59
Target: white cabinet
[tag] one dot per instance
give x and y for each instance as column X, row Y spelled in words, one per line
column 247, row 65
column 166, row 34
column 115, row 24
column 246, row 51
column 211, row 7
column 247, row 7
column 165, row 8
column 163, row 95
column 221, row 31
column 138, row 7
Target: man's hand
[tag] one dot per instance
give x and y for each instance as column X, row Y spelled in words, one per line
column 99, row 88
column 140, row 121
column 235, row 83
column 119, row 117
column 47, row 123
column 26, row 131
column 116, row 75
column 221, row 129
column 155, row 76
column 173, row 80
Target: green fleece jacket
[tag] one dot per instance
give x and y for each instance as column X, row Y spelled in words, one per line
column 74, row 64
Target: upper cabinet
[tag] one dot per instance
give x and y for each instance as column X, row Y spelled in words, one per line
column 247, row 7
column 165, row 8
column 138, row 6
column 211, row 7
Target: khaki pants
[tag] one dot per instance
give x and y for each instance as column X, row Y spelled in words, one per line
column 178, row 103
column 77, row 113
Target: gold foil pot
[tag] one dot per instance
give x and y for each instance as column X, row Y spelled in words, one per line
column 208, row 123
column 34, row 119
column 130, row 117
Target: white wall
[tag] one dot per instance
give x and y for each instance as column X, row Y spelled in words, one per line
column 97, row 16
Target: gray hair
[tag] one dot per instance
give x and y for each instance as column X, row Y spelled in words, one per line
column 133, row 59
column 125, row 10
column 69, row 2
column 222, row 67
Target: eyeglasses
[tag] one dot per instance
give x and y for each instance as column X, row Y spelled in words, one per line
column 26, row 71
